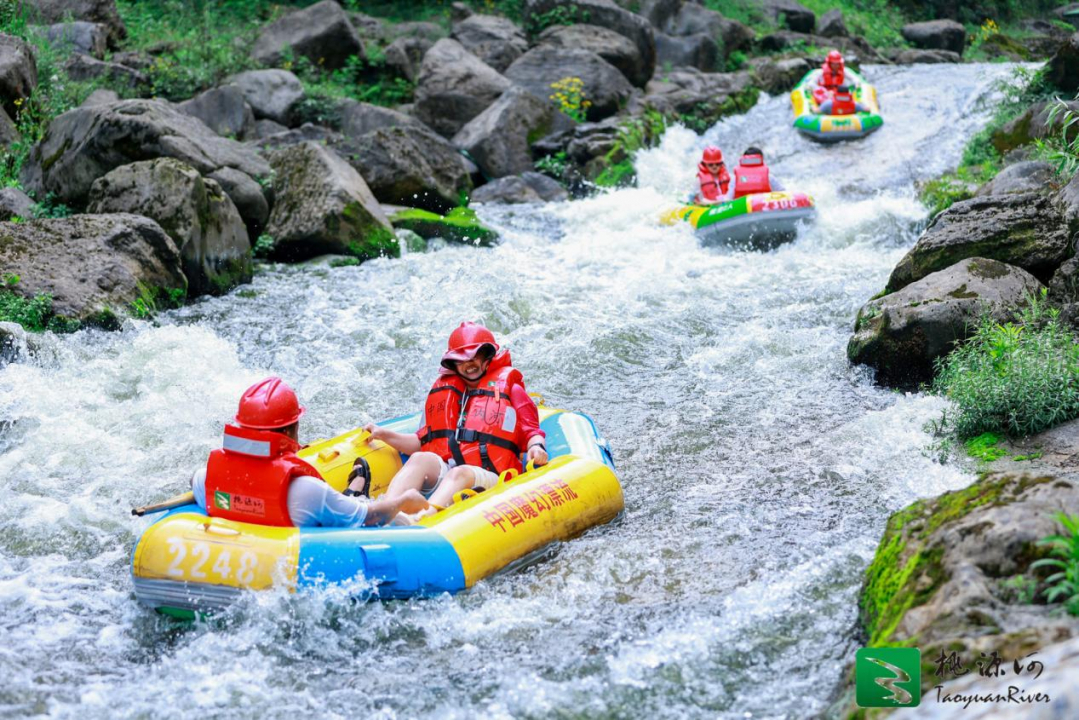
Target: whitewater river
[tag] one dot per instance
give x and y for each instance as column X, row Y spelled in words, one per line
column 759, row 468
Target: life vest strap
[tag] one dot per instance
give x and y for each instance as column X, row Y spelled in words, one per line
column 442, row 388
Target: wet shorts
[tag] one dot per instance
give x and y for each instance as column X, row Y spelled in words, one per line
column 484, row 478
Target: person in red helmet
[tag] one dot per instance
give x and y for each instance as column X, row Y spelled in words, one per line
column 478, row 421
column 712, row 176
column 832, row 75
column 752, row 175
column 842, row 102
column 257, row 477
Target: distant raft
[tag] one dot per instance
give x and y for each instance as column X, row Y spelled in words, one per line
column 760, row 221
column 188, row 563
column 835, row 128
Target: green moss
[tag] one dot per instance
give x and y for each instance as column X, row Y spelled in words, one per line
column 986, row 447
column 372, row 239
column 458, row 225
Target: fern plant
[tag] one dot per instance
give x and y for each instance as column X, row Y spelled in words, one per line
column 1063, row 584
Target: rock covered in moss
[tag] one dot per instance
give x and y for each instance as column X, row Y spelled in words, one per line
column 459, row 225
column 1021, row 177
column 196, row 213
column 248, row 196
column 322, row 205
column 901, row 334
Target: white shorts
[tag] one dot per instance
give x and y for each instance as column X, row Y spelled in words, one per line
column 484, row 478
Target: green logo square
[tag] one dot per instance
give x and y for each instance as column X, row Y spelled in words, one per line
column 222, row 499
column 888, row 677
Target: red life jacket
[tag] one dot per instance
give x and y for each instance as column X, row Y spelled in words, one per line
column 751, row 176
column 843, row 104
column 712, row 186
column 247, row 479
column 485, row 433
column 830, row 80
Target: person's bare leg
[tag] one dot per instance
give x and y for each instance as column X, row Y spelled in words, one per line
column 419, row 473
column 457, row 479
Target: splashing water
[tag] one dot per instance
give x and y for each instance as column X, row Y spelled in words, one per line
column 758, row 468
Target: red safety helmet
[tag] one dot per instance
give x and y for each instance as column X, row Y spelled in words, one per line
column 712, row 155
column 268, row 405
column 834, row 56
column 467, row 340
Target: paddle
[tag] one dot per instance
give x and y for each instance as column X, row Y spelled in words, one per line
column 185, row 499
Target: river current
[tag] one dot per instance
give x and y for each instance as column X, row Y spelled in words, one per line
column 759, row 469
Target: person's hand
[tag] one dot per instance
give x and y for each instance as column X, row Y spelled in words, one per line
column 537, row 455
column 377, row 432
column 412, row 501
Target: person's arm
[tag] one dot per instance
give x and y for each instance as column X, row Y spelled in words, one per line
column 198, row 487
column 407, row 443
column 528, row 423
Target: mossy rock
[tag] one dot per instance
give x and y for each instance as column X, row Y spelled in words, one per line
column 458, row 225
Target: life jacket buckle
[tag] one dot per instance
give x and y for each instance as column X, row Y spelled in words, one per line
column 467, row 435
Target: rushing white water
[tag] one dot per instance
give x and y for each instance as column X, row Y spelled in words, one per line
column 758, row 467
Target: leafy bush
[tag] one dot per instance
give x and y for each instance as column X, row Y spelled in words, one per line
column 1015, row 378
column 264, row 246
column 1062, row 147
column 560, row 15
column 1063, row 584
column 637, row 133
column 34, row 314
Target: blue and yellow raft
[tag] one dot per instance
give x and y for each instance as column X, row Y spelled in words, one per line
column 188, row 563
column 834, row 128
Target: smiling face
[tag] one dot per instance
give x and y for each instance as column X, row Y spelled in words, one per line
column 713, row 167
column 472, row 370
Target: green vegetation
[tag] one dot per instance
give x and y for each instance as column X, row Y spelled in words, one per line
column 1062, row 147
column 986, row 447
column 264, row 246
column 560, row 15
column 1013, row 378
column 1018, row 590
column 152, row 300
column 1063, row 584
column 34, row 314
column 458, row 225
column 634, row 134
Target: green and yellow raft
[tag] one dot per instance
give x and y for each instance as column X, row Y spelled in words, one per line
column 760, row 221
column 835, row 128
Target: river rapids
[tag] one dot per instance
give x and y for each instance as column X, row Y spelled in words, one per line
column 759, row 469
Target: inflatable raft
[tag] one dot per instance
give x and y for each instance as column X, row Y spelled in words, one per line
column 834, row 128
column 760, row 221
column 188, row 563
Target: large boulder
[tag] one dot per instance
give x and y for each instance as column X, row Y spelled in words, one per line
column 831, row 24
column 498, row 138
column 48, row 12
column 791, row 14
column 696, row 51
column 779, row 76
column 432, row 32
column 248, row 197
column 855, row 49
column 15, row 203
column 9, row 133
column 454, row 86
column 101, row 96
column 688, row 91
column 604, row 13
column 936, row 35
column 604, row 86
column 358, row 118
column 1063, row 68
column 528, row 187
column 83, row 68
column 196, row 213
column 616, row 49
column 322, row 205
column 18, row 72
column 903, row 333
column 494, row 40
column 1026, row 230
column 224, row 110
column 693, row 19
column 85, row 143
column 321, row 33
column 370, row 29
column 411, row 166
column 657, row 12
column 78, row 37
column 931, row 57
column 272, row 94
column 404, row 56
column 1020, row 177
column 93, row 266
column 1034, row 124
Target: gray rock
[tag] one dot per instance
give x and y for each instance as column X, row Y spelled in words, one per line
column 9, row 133
column 13, row 343
column 322, row 33
column 305, row 133
column 494, row 40
column 272, row 94
column 429, row 31
column 1063, row 68
column 855, row 49
column 659, row 13
column 18, row 72
column 48, row 12
column 90, row 264
column 791, row 14
column 1034, row 124
column 616, row 49
column 697, row 51
column 778, row 76
column 693, row 19
column 411, row 166
column 831, row 24
column 15, row 203
column 1026, row 230
column 459, row 11
column 79, row 37
column 224, row 110
column 498, row 138
column 604, row 86
column 367, row 27
column 903, row 333
column 454, row 86
column 248, row 197
column 1021, row 177
column 528, row 187
column 85, row 143
column 84, row 67
column 136, row 60
column 404, row 56
column 937, row 35
column 322, row 205
column 266, row 128
column 686, row 90
column 912, row 57
column 359, row 118
column 101, row 96
column 197, row 214
column 1068, row 13
column 1068, row 197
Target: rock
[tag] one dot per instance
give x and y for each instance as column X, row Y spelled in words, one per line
column 101, row 96
column 404, row 56
column 1026, row 230
column 901, row 334
column 936, row 35
column 459, row 11
column 689, row 91
column 855, row 49
column 1063, row 68
column 604, row 86
column 92, row 265
column 368, row 28
column 79, row 37
column 85, row 143
column 135, row 60
column 321, row 33
column 307, row 132
column 197, row 214
column 272, row 94
column 432, row 32
column 616, row 49
column 248, row 197
column 1021, row 177
column 411, row 166
column 48, row 12
column 912, row 57
column 498, row 138
column 779, row 76
column 1068, row 13
column 359, row 118
column 454, row 86
column 696, row 51
column 692, row 19
column 516, row 189
column 459, row 225
column 18, row 72
column 322, row 205
column 659, row 13
column 13, row 345
column 831, row 24
column 1033, row 124
column 791, row 14
column 9, row 133
column 604, row 13
column 1068, row 197
column 224, row 111
column 267, row 128
column 15, row 203
column 84, row 67
column 494, row 40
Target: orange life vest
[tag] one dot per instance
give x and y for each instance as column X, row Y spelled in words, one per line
column 712, row 186
column 247, row 479
column 831, row 80
column 843, row 103
column 751, row 176
column 474, row 426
